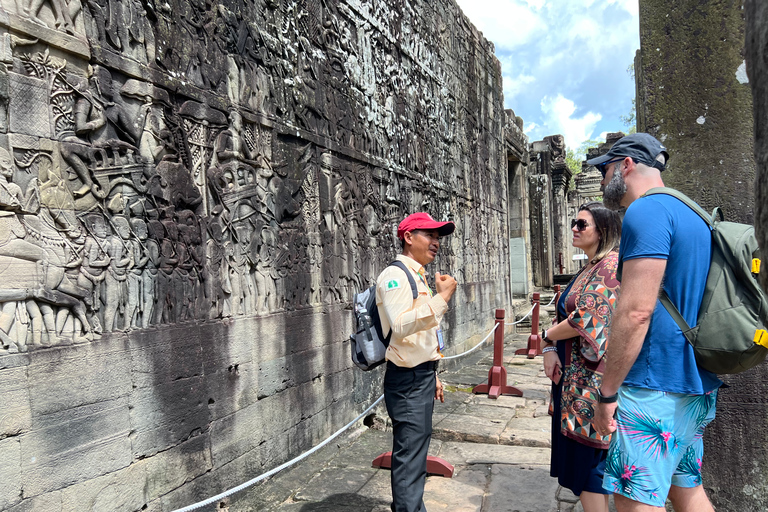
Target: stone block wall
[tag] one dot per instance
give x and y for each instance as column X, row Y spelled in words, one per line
column 190, row 193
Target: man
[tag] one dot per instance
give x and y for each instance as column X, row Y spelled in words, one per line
column 664, row 400
column 411, row 384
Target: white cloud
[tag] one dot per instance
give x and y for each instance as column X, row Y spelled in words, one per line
column 559, row 118
column 508, row 23
column 564, row 62
column 514, row 86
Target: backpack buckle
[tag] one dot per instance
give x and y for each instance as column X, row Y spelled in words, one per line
column 761, row 337
column 756, row 266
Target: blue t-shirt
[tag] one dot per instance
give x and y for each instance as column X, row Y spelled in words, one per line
column 661, row 226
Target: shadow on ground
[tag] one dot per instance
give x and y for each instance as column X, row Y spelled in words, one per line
column 347, row 502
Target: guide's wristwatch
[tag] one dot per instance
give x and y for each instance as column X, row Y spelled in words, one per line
column 602, row 399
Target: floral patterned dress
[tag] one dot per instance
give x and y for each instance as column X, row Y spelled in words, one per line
column 578, row 451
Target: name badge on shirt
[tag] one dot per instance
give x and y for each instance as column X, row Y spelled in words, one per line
column 440, row 342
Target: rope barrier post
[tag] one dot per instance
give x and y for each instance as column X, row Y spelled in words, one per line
column 435, row 465
column 534, row 340
column 497, row 375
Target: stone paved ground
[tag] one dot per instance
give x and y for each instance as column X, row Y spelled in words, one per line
column 500, row 450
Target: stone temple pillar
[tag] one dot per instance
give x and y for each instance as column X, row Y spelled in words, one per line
column 757, row 69
column 693, row 95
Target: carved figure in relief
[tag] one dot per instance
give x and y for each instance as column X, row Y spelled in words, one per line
column 116, row 277
column 134, row 245
column 76, row 144
column 167, row 310
column 96, row 259
column 263, row 275
column 64, row 11
column 149, row 276
column 217, row 285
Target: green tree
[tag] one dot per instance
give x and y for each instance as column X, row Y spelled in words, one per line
column 630, row 120
column 574, row 157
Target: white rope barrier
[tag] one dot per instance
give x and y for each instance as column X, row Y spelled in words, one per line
column 526, row 316
column 304, row 455
column 473, row 348
column 529, row 312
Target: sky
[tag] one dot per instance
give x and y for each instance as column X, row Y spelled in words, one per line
column 564, row 62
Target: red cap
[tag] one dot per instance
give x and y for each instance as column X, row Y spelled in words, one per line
column 422, row 220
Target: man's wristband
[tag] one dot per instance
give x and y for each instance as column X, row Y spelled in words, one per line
column 602, row 399
column 549, row 349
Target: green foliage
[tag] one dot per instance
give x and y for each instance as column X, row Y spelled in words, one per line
column 629, row 120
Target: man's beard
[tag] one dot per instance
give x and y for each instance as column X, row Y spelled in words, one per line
column 614, row 191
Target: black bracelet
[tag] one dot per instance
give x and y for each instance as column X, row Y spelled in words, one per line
column 544, row 337
column 602, row 399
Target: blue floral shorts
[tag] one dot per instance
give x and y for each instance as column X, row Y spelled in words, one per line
column 658, row 443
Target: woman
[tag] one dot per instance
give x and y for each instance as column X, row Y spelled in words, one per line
column 574, row 349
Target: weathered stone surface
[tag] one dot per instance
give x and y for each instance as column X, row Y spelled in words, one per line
column 10, row 468
column 122, row 490
column 76, row 445
column 170, row 469
column 464, row 491
column 527, row 477
column 528, row 432
column 193, row 193
column 49, row 502
column 15, row 411
column 756, row 49
column 66, row 378
column 692, row 93
column 483, row 453
column 165, row 415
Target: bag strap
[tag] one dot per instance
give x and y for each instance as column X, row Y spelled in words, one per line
column 690, row 203
column 399, row 264
column 663, row 297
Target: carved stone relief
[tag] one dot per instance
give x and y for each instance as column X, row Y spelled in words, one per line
column 211, row 160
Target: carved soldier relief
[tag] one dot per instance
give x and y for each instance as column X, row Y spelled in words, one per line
column 167, row 162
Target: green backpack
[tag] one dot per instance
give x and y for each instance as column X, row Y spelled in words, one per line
column 730, row 334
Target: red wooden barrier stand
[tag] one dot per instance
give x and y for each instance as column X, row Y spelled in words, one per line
column 534, row 340
column 497, row 375
column 435, row 465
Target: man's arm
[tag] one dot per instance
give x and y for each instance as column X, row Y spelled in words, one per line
column 640, row 286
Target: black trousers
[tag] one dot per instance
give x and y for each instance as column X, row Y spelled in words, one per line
column 410, row 397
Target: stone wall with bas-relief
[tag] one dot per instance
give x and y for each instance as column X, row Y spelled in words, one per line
column 190, row 192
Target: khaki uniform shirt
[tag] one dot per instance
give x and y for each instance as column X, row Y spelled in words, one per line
column 413, row 323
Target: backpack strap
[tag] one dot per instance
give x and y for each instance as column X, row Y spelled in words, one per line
column 663, row 297
column 690, row 203
column 399, row 264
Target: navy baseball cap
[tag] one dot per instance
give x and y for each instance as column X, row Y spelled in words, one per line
column 640, row 147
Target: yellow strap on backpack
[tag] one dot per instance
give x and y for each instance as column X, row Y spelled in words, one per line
column 761, row 337
column 756, row 266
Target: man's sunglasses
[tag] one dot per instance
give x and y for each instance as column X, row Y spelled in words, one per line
column 580, row 224
column 601, row 167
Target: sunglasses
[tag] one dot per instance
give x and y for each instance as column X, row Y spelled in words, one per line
column 579, row 224
column 601, row 167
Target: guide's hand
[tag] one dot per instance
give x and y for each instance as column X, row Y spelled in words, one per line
column 439, row 390
column 445, row 285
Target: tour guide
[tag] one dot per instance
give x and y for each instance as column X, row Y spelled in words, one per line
column 411, row 384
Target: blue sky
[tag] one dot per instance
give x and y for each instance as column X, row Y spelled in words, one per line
column 564, row 62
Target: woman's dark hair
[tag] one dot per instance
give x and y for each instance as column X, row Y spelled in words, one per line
column 608, row 226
